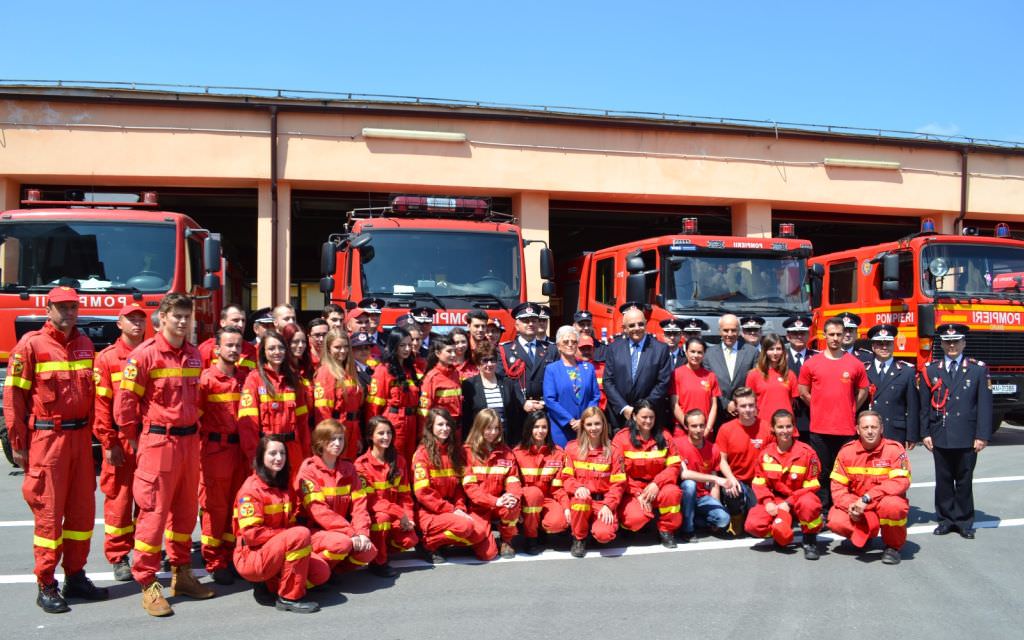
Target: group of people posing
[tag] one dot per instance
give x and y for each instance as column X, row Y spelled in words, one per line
column 324, row 449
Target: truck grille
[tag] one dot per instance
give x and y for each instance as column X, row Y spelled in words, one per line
column 102, row 330
column 1003, row 349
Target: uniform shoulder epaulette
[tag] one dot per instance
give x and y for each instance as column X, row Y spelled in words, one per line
column 900, row 364
column 980, row 362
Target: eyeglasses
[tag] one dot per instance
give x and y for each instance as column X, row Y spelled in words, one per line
column 488, row 360
column 567, row 341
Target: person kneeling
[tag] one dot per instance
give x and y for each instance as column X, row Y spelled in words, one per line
column 270, row 549
column 869, row 489
column 785, row 483
column 491, row 478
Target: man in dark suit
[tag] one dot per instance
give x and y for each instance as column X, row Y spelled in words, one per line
column 524, row 357
column 637, row 367
column 730, row 362
column 798, row 330
column 956, row 424
column 892, row 388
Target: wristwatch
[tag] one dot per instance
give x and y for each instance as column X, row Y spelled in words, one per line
column 866, row 499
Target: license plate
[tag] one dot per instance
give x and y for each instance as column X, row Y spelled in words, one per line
column 1004, row 388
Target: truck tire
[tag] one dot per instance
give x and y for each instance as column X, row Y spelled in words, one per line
column 5, row 442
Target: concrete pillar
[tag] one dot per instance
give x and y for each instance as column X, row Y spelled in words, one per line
column 945, row 222
column 284, row 242
column 264, row 241
column 532, row 210
column 752, row 219
column 10, row 194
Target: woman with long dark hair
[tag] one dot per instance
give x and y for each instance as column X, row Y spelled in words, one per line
column 395, row 393
column 441, row 385
column 773, row 383
column 383, row 469
column 337, row 391
column 298, row 352
column 491, row 478
column 272, row 552
column 695, row 386
column 274, row 401
column 464, row 362
column 652, row 473
column 545, row 503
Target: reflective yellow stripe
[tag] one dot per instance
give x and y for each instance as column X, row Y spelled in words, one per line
column 813, row 523
column 868, row 471
column 811, row 483
column 77, row 535
column 313, row 496
column 281, row 507
column 360, row 494
column 899, row 473
column 322, row 402
column 380, row 402
column 247, row 363
column 617, row 477
column 556, row 482
column 129, row 385
column 380, row 526
column 491, row 470
column 15, row 381
column 104, row 392
column 469, row 479
column 298, row 554
column 451, row 536
column 511, row 479
column 74, row 365
column 757, row 480
column 423, row 412
column 210, row 541
column 177, row 537
column 301, row 410
column 569, row 471
column 592, row 466
column 247, row 413
column 145, row 548
column 645, row 455
column 420, row 484
column 343, row 490
column 771, row 466
column 449, row 393
column 227, row 537
column 115, row 376
column 358, row 563
column 288, row 396
column 403, row 488
column 174, row 372
column 885, row 522
column 546, row 471
column 797, row 468
column 330, row 555
column 669, row 509
column 224, row 397
column 674, row 460
column 576, row 506
column 442, row 473
column 248, row 522
column 838, row 477
column 532, row 509
column 47, row 543
column 111, row 530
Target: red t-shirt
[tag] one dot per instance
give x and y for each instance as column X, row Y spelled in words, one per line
column 777, row 392
column 833, row 385
column 741, row 446
column 695, row 389
column 703, row 460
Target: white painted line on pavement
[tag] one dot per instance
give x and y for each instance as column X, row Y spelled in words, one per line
column 30, row 523
column 920, row 485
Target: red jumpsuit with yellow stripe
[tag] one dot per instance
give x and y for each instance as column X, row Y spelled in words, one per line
column 343, row 401
column 442, row 388
column 883, row 474
column 223, row 467
column 279, row 409
column 603, row 472
column 270, row 547
column 789, row 477
column 439, row 493
column 544, row 499
column 484, row 481
column 48, row 403
column 160, row 390
column 336, row 508
column 645, row 464
column 245, row 364
column 390, row 499
column 115, row 482
column 398, row 401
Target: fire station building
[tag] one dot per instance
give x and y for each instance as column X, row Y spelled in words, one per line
column 276, row 172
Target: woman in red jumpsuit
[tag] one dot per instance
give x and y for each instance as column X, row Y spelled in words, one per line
column 595, row 479
column 395, row 393
column 773, row 383
column 463, row 355
column 541, row 461
column 274, row 401
column 298, row 352
column 491, row 478
column 443, row 514
column 334, row 502
column 441, row 385
column 337, row 392
column 383, row 470
column 695, row 387
column 271, row 551
column 652, row 471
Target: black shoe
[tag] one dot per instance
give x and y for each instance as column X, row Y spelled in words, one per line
column 533, row 547
column 811, row 551
column 890, row 556
column 262, row 595
column 296, row 606
column 80, row 586
column 223, row 576
column 967, row 534
column 122, row 570
column 50, row 600
column 433, row 557
column 686, row 536
column 579, row 548
column 383, row 570
column 667, row 539
column 943, row 529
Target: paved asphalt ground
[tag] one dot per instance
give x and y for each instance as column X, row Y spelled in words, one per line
column 946, row 587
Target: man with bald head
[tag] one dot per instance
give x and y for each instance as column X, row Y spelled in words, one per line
column 729, row 361
column 637, row 367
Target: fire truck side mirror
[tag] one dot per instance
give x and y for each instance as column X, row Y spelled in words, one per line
column 211, row 282
column 890, row 273
column 546, row 264
column 815, row 279
column 327, row 285
column 636, row 286
column 211, row 253
column 634, row 264
column 328, row 261
column 925, row 320
column 548, row 288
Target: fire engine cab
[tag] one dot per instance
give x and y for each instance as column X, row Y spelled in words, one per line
column 449, row 254
column 113, row 252
column 927, row 279
column 691, row 275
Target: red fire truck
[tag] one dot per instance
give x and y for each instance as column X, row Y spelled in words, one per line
column 112, row 252
column 450, row 254
column 691, row 275
column 927, row 279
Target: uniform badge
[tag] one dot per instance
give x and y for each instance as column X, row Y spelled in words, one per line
column 130, row 371
column 373, row 387
column 424, row 402
column 17, row 365
column 96, row 375
column 246, row 510
column 246, row 400
column 308, row 487
column 420, row 472
column 318, row 391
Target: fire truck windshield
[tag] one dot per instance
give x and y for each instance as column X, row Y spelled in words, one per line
column 735, row 281
column 990, row 270
column 445, row 264
column 91, row 256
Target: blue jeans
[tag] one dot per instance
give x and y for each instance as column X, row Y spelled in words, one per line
column 703, row 511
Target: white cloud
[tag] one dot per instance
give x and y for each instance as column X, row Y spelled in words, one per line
column 936, row 129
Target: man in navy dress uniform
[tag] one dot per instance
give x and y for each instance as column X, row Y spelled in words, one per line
column 892, row 387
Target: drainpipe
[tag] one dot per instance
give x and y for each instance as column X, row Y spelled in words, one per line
column 958, row 223
column 273, row 207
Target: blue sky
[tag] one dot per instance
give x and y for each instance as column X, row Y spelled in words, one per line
column 940, row 67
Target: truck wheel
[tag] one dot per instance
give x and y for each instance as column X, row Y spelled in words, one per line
column 5, row 442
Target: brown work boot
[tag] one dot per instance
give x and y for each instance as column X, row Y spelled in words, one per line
column 153, row 600
column 183, row 583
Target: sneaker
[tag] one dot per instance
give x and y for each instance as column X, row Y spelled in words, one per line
column 153, row 601
column 811, row 551
column 50, row 600
column 79, row 585
column 296, row 606
column 122, row 570
column 891, row 556
column 579, row 548
column 433, row 557
column 382, row 570
column 223, row 576
column 506, row 550
column 667, row 539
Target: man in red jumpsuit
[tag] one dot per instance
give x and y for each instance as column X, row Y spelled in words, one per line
column 786, row 485
column 48, row 406
column 118, row 470
column 869, row 489
column 230, row 316
column 160, row 390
